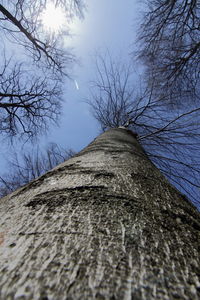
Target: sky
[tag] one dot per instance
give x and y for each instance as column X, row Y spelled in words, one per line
column 108, row 25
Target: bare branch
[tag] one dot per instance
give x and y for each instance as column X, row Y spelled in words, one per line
column 28, row 101
column 26, row 105
column 170, row 48
column 22, row 23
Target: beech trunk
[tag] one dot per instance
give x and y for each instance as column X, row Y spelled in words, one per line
column 105, row 224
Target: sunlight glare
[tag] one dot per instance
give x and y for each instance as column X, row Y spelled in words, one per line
column 53, row 18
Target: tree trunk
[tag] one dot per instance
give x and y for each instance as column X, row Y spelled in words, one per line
column 105, row 224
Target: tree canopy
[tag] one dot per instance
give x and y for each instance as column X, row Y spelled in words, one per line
column 169, row 137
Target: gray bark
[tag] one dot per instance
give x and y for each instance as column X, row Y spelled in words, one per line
column 105, row 224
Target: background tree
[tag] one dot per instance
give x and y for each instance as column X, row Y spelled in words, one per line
column 30, row 165
column 171, row 138
column 29, row 101
column 170, row 48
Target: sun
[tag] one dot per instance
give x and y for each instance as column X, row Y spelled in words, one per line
column 53, row 18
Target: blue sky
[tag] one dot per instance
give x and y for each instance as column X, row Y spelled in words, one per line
column 108, row 25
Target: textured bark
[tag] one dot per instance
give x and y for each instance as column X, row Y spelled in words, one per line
column 103, row 225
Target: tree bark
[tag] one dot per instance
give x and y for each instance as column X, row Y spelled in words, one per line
column 105, row 224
